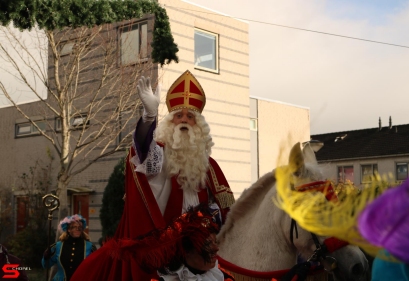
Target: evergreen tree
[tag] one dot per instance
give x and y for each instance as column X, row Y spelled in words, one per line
column 112, row 202
column 54, row 15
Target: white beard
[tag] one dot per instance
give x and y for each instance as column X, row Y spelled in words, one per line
column 186, row 154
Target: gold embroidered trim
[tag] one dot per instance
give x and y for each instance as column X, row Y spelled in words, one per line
column 216, row 183
column 223, row 194
column 225, row 199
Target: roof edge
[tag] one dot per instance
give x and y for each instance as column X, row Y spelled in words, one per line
column 215, row 11
column 364, row 158
column 279, row 102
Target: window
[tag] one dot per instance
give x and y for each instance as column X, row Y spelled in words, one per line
column 368, row 171
column 58, row 124
column 401, row 171
column 78, row 121
column 27, row 129
column 206, row 50
column 67, row 48
column 134, row 43
column 346, row 174
column 253, row 124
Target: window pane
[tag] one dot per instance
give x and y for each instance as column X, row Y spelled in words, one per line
column 130, row 45
column 78, row 121
column 24, row 129
column 253, row 124
column 41, row 125
column 349, row 173
column 340, row 174
column 205, row 50
column 67, row 48
column 144, row 40
column 346, row 174
column 401, row 171
column 366, row 173
column 58, row 124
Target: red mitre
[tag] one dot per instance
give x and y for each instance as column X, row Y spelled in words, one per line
column 186, row 92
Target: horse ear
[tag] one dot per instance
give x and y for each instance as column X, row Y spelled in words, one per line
column 309, row 154
column 296, row 158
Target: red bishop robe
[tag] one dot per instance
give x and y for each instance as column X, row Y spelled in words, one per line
column 141, row 215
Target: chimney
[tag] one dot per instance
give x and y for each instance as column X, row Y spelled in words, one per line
column 380, row 124
column 390, row 122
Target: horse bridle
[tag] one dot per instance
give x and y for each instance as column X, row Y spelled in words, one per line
column 329, row 245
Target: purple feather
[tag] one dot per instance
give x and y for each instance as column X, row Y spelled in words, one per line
column 385, row 221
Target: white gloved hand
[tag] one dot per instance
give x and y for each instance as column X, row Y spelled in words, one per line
column 149, row 100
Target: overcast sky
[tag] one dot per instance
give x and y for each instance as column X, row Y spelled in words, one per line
column 347, row 84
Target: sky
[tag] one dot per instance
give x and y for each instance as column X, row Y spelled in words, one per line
column 347, row 84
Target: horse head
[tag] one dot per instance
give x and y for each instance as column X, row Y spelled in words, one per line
column 259, row 236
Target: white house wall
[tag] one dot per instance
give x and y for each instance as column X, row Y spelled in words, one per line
column 280, row 126
column 227, row 92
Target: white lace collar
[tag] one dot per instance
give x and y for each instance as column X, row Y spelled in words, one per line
column 184, row 274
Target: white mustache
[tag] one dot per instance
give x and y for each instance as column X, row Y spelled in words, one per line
column 178, row 136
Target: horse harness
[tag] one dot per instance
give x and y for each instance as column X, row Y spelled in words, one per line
column 329, row 245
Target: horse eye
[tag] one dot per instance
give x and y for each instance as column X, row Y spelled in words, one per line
column 297, row 173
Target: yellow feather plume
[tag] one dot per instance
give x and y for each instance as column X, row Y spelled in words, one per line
column 314, row 213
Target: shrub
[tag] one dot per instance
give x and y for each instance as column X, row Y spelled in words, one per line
column 112, row 202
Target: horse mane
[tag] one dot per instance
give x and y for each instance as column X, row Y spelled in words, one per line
column 246, row 201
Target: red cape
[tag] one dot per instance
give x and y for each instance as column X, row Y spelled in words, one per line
column 141, row 215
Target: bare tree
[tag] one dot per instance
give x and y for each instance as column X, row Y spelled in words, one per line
column 91, row 96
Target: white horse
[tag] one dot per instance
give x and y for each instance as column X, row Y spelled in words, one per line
column 256, row 235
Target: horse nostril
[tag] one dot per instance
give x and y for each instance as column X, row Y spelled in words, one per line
column 357, row 269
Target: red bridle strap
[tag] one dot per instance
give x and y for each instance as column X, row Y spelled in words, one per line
column 332, row 244
column 325, row 187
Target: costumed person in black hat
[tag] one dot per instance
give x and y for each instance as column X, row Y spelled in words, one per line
column 6, row 258
column 185, row 250
column 68, row 253
column 168, row 169
column 385, row 223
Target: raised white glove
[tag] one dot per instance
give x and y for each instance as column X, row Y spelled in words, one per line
column 149, row 100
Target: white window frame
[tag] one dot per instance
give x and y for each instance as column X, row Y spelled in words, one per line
column 367, row 178
column 32, row 130
column 197, row 58
column 141, row 52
